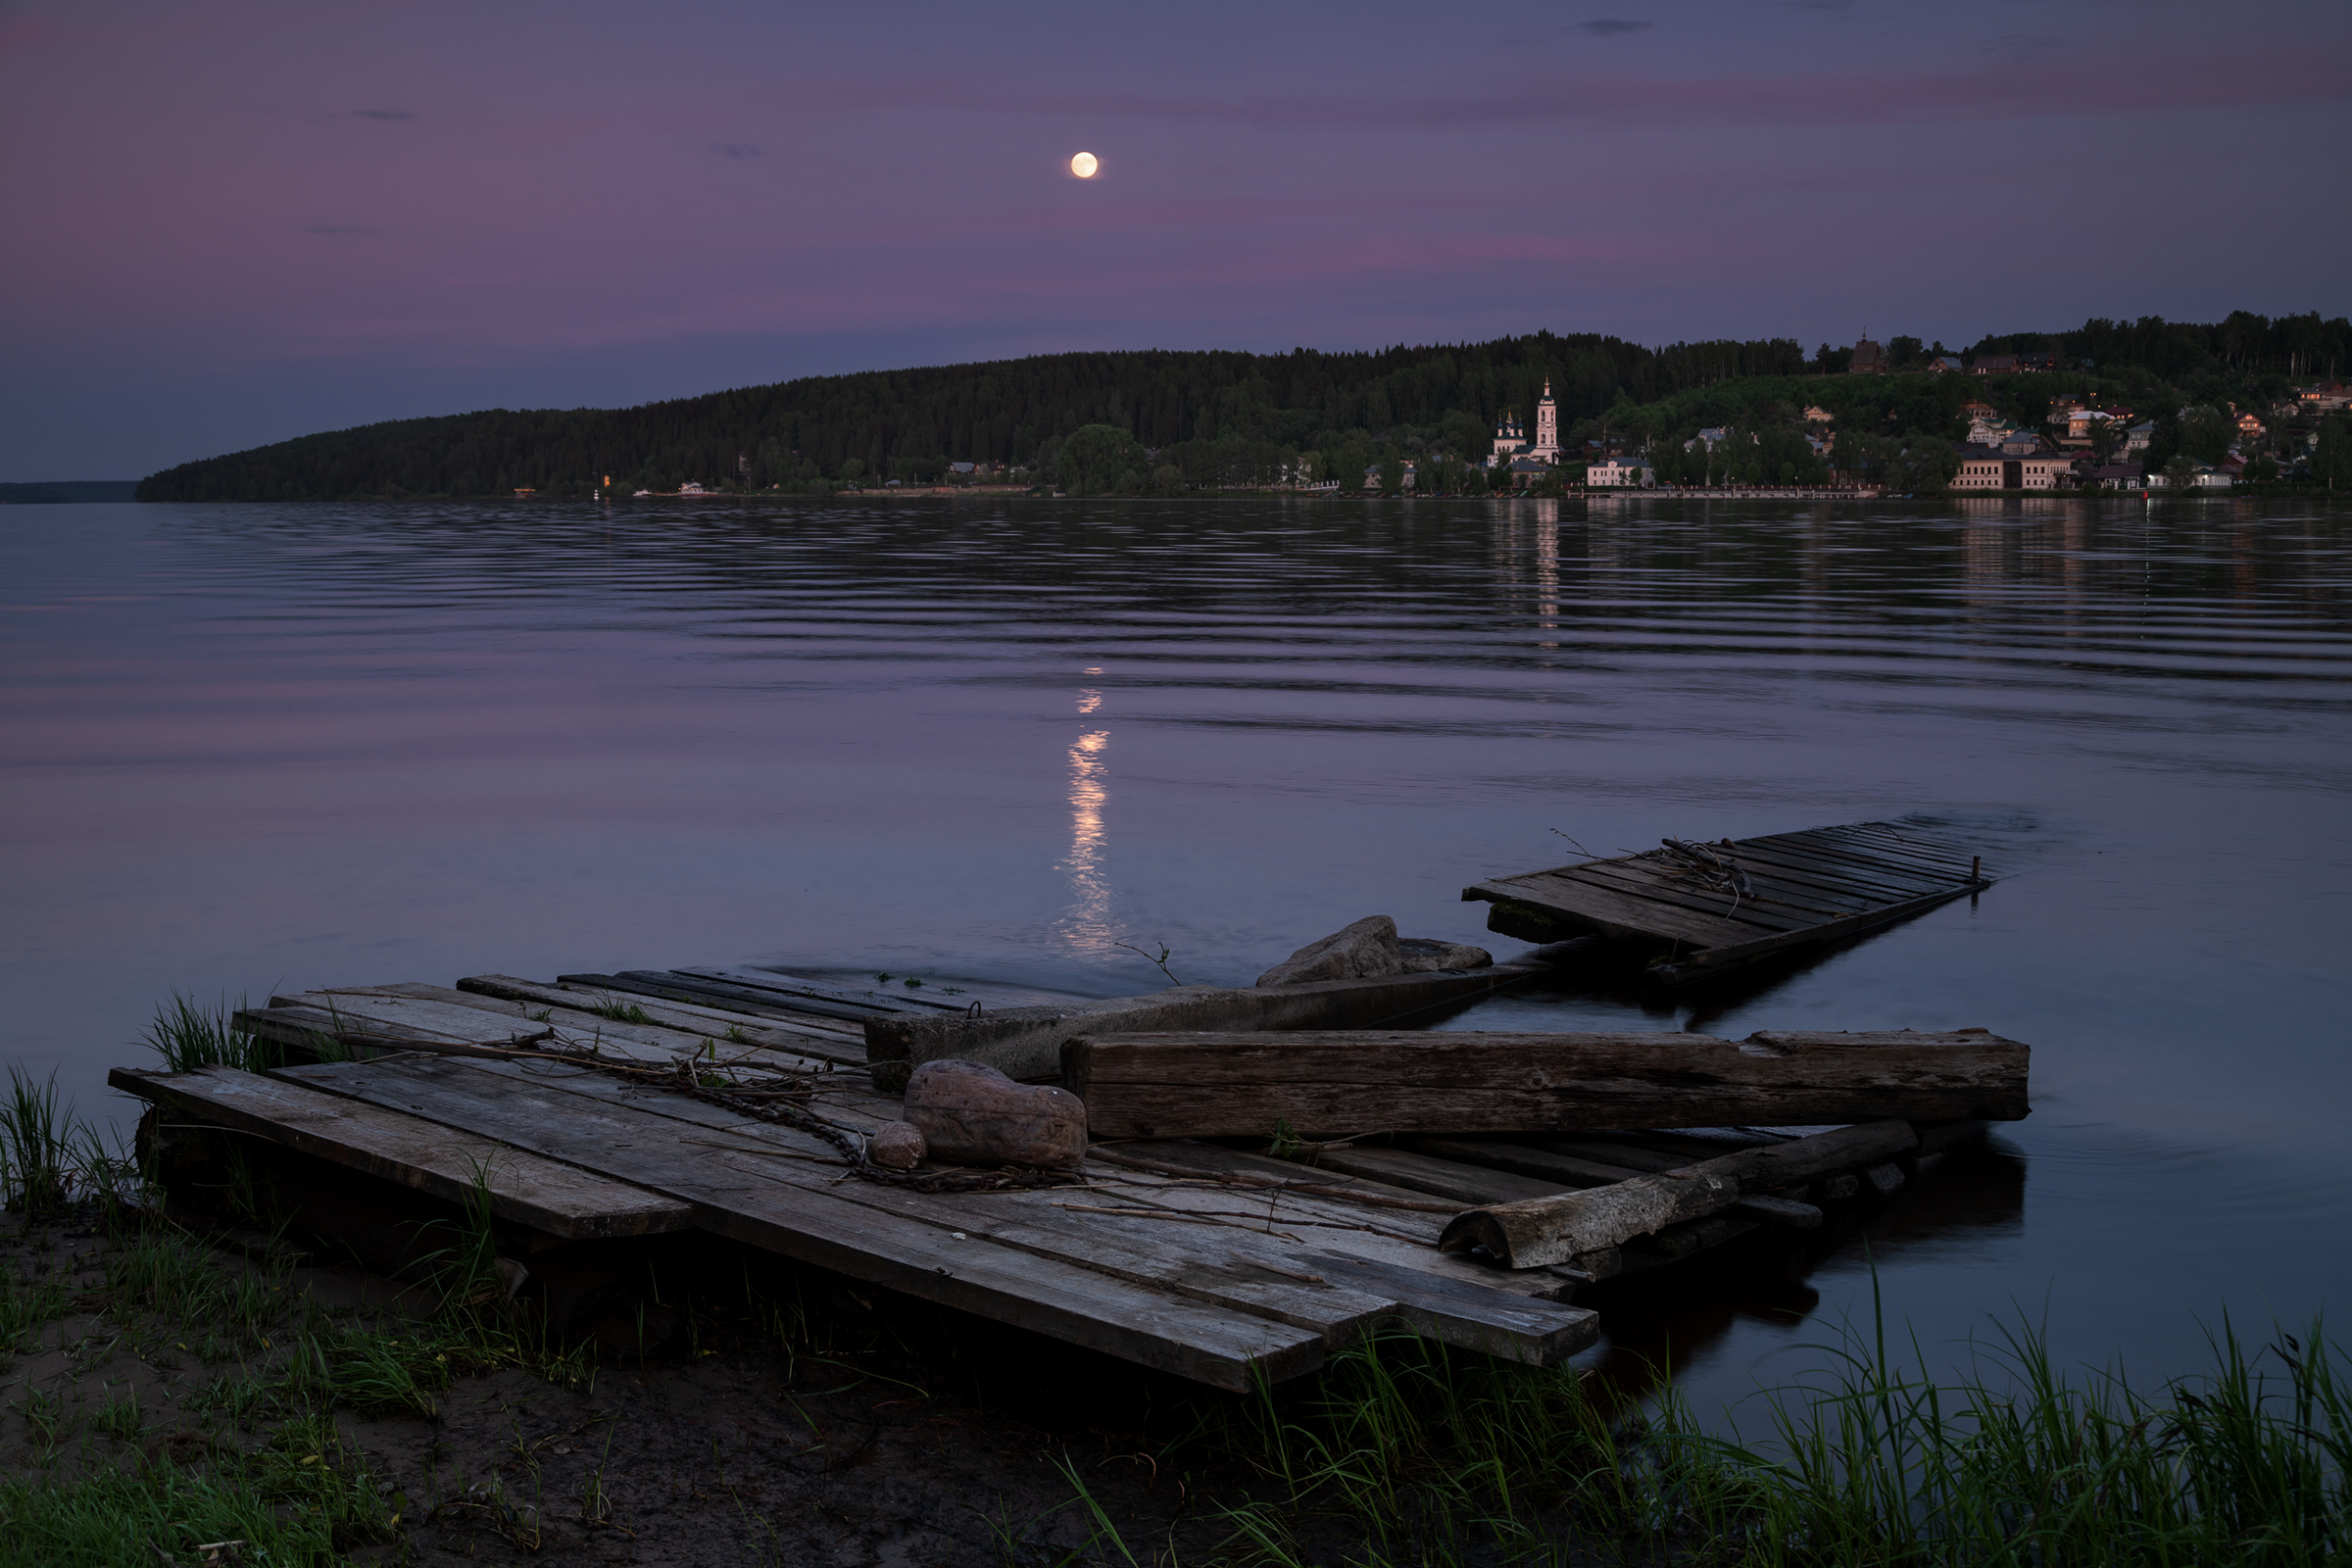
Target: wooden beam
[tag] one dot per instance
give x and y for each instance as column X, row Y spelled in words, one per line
column 1539, row 1231
column 1353, row 1084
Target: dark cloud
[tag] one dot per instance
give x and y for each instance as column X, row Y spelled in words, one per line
column 734, row 149
column 1610, row 27
column 385, row 114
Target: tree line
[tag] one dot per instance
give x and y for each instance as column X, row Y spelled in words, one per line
column 1215, row 419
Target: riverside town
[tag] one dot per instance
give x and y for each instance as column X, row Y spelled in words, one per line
column 2246, row 403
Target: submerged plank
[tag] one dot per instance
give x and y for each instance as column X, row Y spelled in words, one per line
column 557, row 1198
column 1358, row 1083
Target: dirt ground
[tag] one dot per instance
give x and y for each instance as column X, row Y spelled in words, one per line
column 878, row 1431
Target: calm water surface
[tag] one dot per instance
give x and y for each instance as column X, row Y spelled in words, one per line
column 253, row 749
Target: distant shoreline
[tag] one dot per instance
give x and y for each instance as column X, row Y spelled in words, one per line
column 65, row 492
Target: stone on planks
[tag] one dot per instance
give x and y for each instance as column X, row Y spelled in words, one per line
column 1428, row 954
column 896, row 1145
column 1356, row 952
column 970, row 1113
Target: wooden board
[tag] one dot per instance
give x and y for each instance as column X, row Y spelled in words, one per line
column 1341, row 1084
column 672, row 986
column 885, row 999
column 832, row 1038
column 1805, row 888
column 1416, row 1284
column 576, row 1026
column 1213, row 1264
column 732, row 1194
column 557, row 1198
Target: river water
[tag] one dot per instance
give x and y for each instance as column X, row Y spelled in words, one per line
column 273, row 747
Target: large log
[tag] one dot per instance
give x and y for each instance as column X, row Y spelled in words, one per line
column 1332, row 1085
column 1027, row 1042
column 1538, row 1230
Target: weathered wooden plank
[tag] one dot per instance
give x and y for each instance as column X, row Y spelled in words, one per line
column 1638, row 879
column 1867, row 860
column 1878, row 883
column 730, row 1195
column 719, row 994
column 557, row 1198
column 370, row 1031
column 1420, row 1259
column 899, row 999
column 371, row 1012
column 1829, row 894
column 1880, row 886
column 1562, row 1171
column 579, row 1026
column 1418, row 1172
column 1027, row 1042
column 1548, row 1164
column 1416, row 1285
column 1615, row 915
column 831, row 1039
column 1885, row 838
column 1554, row 1229
column 1716, row 961
column 1347, row 1084
column 1813, row 898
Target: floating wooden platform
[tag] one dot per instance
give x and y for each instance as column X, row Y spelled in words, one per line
column 1214, row 1262
column 1792, row 891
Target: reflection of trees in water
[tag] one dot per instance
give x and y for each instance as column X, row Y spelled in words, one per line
column 1670, row 1317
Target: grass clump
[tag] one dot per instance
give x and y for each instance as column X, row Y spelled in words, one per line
column 2250, row 1463
column 1406, row 1452
column 49, row 1157
column 303, row 1498
column 621, row 1011
column 187, row 1036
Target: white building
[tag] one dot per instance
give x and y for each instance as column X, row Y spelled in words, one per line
column 1622, row 473
column 1510, row 441
column 1999, row 468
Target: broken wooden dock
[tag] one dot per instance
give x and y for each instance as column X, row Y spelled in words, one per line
column 1710, row 909
column 1222, row 1264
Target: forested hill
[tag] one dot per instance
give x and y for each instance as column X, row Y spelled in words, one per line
column 821, row 431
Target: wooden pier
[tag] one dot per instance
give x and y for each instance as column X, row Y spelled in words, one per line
column 1710, row 909
column 1215, row 1262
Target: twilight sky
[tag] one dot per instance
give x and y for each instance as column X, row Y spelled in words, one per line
column 238, row 220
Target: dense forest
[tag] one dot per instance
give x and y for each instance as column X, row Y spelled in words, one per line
column 1164, row 420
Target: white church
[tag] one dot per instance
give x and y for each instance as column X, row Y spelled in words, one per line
column 1510, row 441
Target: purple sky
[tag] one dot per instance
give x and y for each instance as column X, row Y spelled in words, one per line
column 237, row 221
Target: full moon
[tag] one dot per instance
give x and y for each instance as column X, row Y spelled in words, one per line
column 1084, row 166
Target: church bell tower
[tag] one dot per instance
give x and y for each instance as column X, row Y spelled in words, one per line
column 1547, row 428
